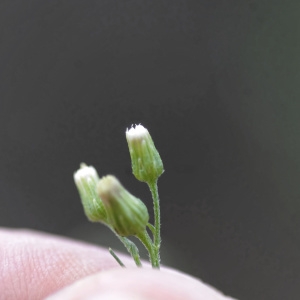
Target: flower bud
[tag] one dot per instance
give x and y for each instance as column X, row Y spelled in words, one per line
column 127, row 214
column 146, row 163
column 86, row 179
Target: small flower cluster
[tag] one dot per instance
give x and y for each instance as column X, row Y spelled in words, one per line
column 105, row 200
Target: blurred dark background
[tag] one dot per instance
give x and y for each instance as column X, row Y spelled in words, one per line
column 217, row 85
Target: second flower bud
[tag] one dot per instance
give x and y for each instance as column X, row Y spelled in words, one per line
column 127, row 214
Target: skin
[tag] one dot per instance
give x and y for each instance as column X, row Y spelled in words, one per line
column 36, row 265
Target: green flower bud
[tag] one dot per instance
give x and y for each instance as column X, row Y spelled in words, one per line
column 86, row 179
column 146, row 163
column 127, row 214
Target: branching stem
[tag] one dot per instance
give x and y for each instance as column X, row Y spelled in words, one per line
column 131, row 248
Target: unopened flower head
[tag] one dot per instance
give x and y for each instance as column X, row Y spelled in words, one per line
column 86, row 179
column 127, row 214
column 146, row 163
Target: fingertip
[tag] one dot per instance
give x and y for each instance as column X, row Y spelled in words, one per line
column 139, row 284
column 34, row 265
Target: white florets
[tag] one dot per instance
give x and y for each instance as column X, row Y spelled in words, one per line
column 85, row 173
column 136, row 132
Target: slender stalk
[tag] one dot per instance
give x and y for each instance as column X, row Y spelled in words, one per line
column 131, row 248
column 114, row 255
column 151, row 227
column 156, row 208
column 146, row 240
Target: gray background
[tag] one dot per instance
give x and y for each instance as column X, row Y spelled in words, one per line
column 217, row 85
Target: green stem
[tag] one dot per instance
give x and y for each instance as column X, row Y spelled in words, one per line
column 146, row 240
column 131, row 248
column 151, row 227
column 156, row 208
column 114, row 255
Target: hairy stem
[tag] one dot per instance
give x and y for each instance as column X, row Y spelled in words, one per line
column 146, row 240
column 156, row 208
column 131, row 248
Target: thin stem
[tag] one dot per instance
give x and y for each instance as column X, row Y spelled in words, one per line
column 147, row 242
column 114, row 255
column 151, row 227
column 156, row 208
column 131, row 248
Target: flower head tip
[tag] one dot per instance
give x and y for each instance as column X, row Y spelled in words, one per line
column 86, row 179
column 127, row 214
column 146, row 163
